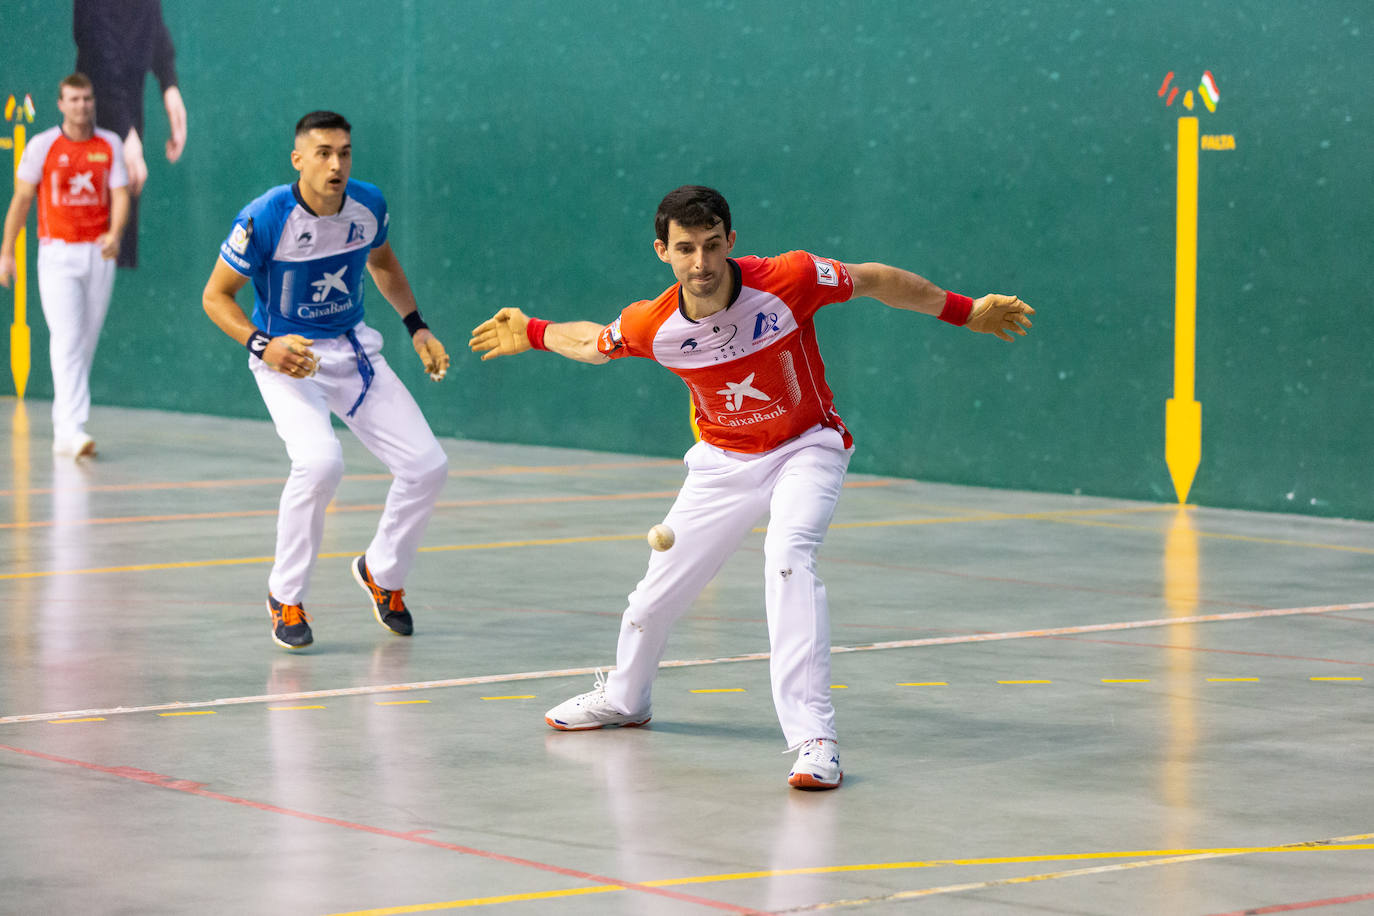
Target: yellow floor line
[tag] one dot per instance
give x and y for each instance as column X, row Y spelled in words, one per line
column 1149, row 858
column 1073, row 516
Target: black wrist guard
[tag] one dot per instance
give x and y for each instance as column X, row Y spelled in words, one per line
column 257, row 343
column 414, row 322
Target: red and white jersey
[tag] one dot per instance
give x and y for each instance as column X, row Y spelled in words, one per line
column 753, row 368
column 74, row 178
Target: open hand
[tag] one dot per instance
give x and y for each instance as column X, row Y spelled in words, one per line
column 998, row 314
column 503, row 334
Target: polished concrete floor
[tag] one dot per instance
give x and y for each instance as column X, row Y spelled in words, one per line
column 1047, row 704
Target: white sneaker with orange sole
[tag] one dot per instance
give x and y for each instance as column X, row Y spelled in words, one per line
column 817, row 766
column 592, row 710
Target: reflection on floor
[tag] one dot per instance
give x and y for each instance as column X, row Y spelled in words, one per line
column 1047, row 704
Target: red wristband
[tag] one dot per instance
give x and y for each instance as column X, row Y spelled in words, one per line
column 957, row 309
column 535, row 332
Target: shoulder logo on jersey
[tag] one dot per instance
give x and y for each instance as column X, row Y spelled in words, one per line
column 765, row 323
column 610, row 338
column 239, row 238
column 825, row 272
column 63, row 160
column 356, row 233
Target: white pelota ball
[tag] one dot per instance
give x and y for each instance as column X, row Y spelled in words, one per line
column 661, row 537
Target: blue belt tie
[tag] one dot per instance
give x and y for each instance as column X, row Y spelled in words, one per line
column 364, row 369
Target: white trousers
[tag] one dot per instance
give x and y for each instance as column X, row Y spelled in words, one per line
column 388, row 422
column 74, row 286
column 724, row 495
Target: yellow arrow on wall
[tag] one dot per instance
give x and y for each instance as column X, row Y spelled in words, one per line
column 19, row 331
column 1183, row 414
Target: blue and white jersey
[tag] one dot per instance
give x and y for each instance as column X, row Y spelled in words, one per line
column 307, row 270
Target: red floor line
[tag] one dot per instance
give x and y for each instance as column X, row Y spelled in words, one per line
column 198, row 788
column 1304, row 905
column 1351, row 619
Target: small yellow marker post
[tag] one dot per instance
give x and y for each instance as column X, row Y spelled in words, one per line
column 1183, row 414
column 19, row 331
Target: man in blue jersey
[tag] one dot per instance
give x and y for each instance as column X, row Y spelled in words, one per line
column 304, row 246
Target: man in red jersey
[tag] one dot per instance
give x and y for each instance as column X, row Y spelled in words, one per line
column 77, row 173
column 740, row 334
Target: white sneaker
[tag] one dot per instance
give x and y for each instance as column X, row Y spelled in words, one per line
column 817, row 766
column 78, row 447
column 592, row 710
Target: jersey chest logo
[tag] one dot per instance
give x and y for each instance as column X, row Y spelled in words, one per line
column 76, row 187
column 737, row 392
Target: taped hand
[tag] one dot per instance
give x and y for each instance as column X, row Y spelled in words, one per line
column 998, row 314
column 291, row 355
column 503, row 334
column 431, row 352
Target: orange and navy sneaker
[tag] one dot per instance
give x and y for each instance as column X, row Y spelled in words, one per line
column 388, row 606
column 289, row 627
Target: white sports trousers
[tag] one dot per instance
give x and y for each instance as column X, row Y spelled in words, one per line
column 74, row 287
column 725, row 494
column 388, row 422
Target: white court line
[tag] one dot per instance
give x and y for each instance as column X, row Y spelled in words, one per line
column 696, row 662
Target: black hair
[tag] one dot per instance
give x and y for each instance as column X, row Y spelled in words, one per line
column 693, row 207
column 323, row 120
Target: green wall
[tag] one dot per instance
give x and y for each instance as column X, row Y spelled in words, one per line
column 989, row 146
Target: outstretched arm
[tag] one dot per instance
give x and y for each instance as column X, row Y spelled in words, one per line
column 508, row 332
column 892, row 286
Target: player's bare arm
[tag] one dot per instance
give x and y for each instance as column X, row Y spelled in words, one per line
column 119, row 215
column 507, row 333
column 176, row 122
column 289, row 354
column 892, row 286
column 392, row 283
column 15, row 217
column 991, row 314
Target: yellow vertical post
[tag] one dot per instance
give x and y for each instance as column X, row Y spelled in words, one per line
column 19, row 331
column 1183, row 414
